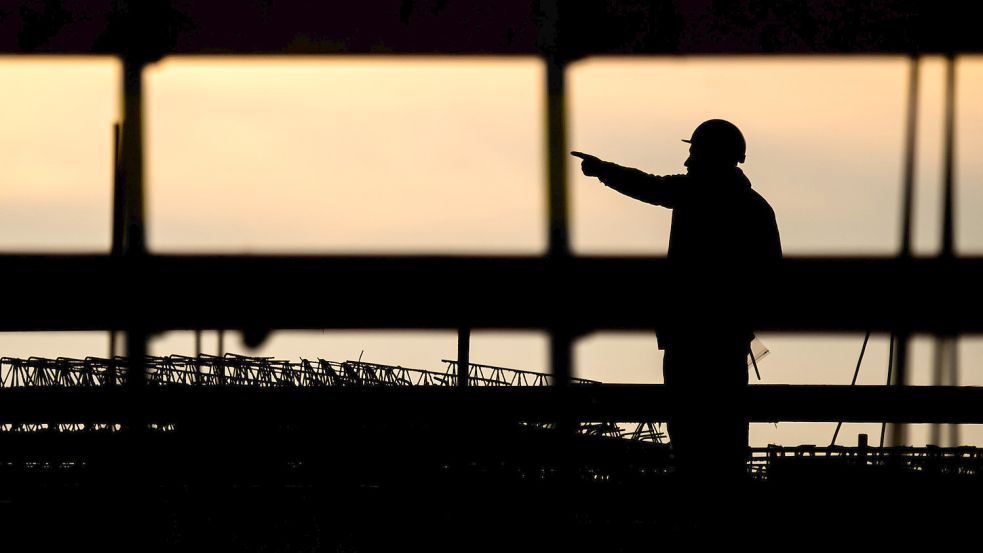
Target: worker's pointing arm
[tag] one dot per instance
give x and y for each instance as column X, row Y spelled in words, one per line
column 631, row 182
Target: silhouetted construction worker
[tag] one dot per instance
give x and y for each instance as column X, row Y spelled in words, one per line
column 721, row 230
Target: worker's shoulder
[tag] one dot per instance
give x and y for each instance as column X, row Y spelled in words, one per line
column 758, row 203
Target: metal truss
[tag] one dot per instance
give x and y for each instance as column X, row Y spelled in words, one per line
column 489, row 375
column 241, row 370
column 266, row 372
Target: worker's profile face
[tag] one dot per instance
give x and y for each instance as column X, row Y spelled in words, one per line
column 695, row 161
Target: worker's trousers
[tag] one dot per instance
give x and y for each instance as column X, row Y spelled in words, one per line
column 708, row 430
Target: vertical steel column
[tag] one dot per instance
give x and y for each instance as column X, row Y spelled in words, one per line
column 899, row 431
column 948, row 363
column 911, row 135
column 116, row 249
column 558, row 251
column 953, row 380
column 133, row 490
column 556, row 146
column 561, row 340
column 900, row 372
column 949, row 192
column 463, row 356
column 944, row 374
column 938, row 355
column 118, row 194
column 945, row 371
column 133, row 241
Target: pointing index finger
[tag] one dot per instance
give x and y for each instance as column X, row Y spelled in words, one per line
column 582, row 155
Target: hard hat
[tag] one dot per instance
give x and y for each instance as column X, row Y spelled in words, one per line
column 720, row 138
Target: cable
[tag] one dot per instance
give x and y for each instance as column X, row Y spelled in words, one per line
column 853, row 382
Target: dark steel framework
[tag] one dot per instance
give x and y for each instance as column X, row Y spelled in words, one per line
column 264, row 372
column 126, row 290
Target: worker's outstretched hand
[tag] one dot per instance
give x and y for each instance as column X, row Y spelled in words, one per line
column 591, row 165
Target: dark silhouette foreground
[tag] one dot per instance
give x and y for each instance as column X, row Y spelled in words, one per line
column 721, row 230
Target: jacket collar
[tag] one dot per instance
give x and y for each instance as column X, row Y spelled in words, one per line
column 731, row 178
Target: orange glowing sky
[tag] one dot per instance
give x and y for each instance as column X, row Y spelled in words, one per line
column 447, row 156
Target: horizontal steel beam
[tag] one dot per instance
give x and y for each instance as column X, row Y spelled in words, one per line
column 153, row 28
column 604, row 402
column 75, row 292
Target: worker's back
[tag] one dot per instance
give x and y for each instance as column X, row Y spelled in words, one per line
column 723, row 234
column 720, row 220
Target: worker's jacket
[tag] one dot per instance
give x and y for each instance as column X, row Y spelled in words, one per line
column 724, row 239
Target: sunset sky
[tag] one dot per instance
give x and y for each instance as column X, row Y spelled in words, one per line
column 446, row 155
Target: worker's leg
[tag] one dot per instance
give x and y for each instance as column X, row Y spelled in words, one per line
column 708, row 432
column 730, row 372
column 683, row 433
